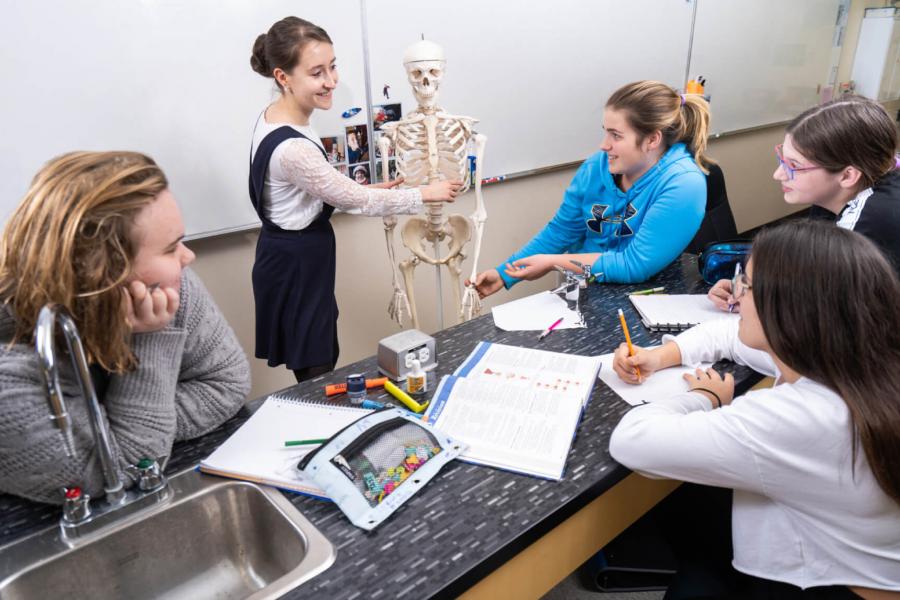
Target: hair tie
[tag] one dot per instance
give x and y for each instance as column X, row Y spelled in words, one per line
column 714, row 395
column 683, row 99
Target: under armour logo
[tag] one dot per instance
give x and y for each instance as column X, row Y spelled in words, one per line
column 623, row 229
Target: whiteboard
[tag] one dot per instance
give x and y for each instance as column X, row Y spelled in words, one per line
column 764, row 60
column 170, row 78
column 535, row 74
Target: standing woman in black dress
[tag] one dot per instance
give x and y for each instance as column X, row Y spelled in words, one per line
column 294, row 191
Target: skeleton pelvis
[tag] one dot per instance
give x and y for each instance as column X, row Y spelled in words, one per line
column 415, row 234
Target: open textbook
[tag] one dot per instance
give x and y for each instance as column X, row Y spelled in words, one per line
column 516, row 408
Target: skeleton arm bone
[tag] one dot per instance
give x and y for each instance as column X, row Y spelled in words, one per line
column 479, row 217
column 398, row 308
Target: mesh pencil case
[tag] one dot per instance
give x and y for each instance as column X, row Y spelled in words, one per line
column 378, row 462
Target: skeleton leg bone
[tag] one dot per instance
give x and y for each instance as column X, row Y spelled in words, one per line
column 407, row 269
column 454, row 265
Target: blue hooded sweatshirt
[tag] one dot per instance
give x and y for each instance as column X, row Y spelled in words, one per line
column 637, row 232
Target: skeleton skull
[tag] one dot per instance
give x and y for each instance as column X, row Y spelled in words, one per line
column 424, row 63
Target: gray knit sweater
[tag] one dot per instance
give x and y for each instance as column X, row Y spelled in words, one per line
column 192, row 376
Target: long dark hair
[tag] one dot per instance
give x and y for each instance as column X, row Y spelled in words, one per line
column 280, row 47
column 848, row 131
column 829, row 304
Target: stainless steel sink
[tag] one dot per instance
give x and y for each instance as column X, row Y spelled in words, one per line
column 209, row 538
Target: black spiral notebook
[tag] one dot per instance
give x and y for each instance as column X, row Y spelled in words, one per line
column 676, row 312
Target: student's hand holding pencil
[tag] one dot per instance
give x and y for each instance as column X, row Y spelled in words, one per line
column 648, row 361
column 627, row 367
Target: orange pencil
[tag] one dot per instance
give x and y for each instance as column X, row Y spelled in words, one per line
column 628, row 339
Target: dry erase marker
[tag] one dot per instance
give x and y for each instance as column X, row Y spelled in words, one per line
column 403, row 397
column 628, row 339
column 303, row 442
column 374, row 405
column 549, row 329
column 655, row 290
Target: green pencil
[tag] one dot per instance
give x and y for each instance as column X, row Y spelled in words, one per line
column 648, row 292
column 303, row 442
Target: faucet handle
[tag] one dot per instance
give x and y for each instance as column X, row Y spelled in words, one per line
column 76, row 506
column 148, row 473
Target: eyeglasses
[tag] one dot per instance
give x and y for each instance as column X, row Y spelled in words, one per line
column 789, row 170
column 739, row 284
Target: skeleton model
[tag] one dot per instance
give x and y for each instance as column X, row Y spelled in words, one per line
column 431, row 146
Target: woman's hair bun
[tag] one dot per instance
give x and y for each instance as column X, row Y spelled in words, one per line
column 258, row 57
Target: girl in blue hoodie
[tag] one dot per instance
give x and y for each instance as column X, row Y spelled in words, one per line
column 633, row 207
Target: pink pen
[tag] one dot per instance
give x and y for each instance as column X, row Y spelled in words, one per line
column 549, row 329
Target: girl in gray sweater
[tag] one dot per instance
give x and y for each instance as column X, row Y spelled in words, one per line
column 100, row 233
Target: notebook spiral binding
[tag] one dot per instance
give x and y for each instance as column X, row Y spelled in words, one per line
column 290, row 395
column 668, row 327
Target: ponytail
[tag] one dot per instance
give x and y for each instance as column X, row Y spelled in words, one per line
column 695, row 128
column 651, row 106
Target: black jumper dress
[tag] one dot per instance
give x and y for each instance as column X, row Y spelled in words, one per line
column 293, row 278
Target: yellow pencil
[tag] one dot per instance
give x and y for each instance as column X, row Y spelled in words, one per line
column 628, row 339
column 403, row 397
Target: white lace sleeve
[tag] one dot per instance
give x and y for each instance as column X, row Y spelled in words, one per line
column 305, row 167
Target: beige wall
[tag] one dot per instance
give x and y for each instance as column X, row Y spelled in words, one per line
column 516, row 210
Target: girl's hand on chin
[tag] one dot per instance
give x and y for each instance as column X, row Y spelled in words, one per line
column 149, row 308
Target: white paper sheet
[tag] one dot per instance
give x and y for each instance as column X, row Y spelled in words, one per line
column 662, row 384
column 535, row 313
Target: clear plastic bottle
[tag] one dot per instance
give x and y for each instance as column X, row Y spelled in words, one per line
column 416, row 380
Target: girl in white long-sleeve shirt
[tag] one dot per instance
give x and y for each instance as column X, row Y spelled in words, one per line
column 294, row 190
column 815, row 461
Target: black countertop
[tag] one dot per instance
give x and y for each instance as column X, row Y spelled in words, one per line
column 470, row 519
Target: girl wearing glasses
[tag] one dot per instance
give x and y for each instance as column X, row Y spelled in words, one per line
column 634, row 206
column 840, row 158
column 814, row 462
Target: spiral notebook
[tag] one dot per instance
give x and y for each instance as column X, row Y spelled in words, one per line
column 256, row 451
column 676, row 312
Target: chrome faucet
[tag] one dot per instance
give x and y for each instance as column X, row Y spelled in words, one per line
column 78, row 516
column 45, row 344
column 574, row 288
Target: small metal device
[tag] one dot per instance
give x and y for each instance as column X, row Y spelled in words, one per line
column 396, row 353
column 575, row 287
